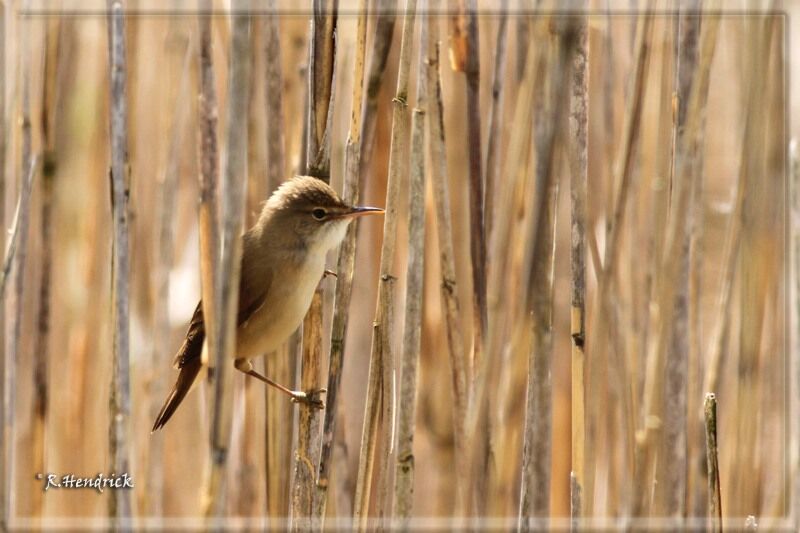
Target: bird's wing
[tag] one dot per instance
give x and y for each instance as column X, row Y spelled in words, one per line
column 254, row 286
column 255, row 279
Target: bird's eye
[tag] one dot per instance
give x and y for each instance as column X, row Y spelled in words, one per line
column 318, row 213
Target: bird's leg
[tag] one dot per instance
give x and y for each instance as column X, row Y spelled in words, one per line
column 309, row 398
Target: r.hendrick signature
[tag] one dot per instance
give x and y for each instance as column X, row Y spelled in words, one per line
column 98, row 483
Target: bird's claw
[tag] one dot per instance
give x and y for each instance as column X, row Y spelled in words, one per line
column 309, row 398
column 329, row 273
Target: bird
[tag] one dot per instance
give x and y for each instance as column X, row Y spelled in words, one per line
column 283, row 261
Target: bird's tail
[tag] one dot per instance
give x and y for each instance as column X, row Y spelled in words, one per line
column 186, row 377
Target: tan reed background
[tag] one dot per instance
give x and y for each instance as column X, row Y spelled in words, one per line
column 687, row 200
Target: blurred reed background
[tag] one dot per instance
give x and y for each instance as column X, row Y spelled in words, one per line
column 588, row 231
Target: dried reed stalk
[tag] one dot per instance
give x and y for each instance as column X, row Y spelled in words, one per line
column 273, row 97
column 448, row 288
column 674, row 457
column 16, row 255
column 712, row 462
column 319, row 114
column 278, row 444
column 753, row 272
column 164, row 253
column 41, row 355
column 246, row 454
column 538, row 273
column 5, row 464
column 619, row 192
column 380, row 388
column 381, row 44
column 477, row 228
column 794, row 186
column 523, row 40
column 322, row 54
column 495, row 133
column 666, row 289
column 208, row 154
column 578, row 159
column 345, row 265
column 120, row 406
column 304, row 516
column 502, row 283
column 230, row 262
column 404, row 459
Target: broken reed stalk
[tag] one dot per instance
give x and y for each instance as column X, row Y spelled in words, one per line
column 164, row 254
column 381, row 44
column 41, row 351
column 380, row 387
column 344, row 266
column 674, row 457
column 538, row 273
column 450, row 302
column 495, row 133
column 119, row 404
column 578, row 162
column 412, row 327
column 319, row 114
column 712, row 462
column 674, row 238
column 230, row 262
column 208, row 155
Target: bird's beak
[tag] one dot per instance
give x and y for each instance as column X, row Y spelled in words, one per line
column 360, row 211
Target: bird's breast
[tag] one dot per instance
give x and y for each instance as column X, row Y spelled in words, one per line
column 286, row 303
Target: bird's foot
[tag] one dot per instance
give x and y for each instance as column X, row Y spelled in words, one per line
column 328, row 272
column 310, row 398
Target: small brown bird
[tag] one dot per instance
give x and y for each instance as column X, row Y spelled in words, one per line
column 283, row 260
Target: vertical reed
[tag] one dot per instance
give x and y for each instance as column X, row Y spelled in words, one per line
column 319, row 113
column 578, row 158
column 675, row 466
column 381, row 45
column 120, row 406
column 5, row 464
column 495, row 132
column 235, row 172
column 164, row 252
column 344, row 266
column 379, row 406
column 538, row 268
column 412, row 324
column 448, row 285
column 208, row 155
column 304, row 515
column 674, row 238
column 50, row 86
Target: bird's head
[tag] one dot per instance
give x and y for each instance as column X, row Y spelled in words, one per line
column 310, row 210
